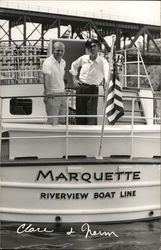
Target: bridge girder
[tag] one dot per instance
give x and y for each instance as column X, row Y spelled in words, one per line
column 102, row 28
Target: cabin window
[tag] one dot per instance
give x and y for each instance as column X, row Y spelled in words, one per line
column 19, row 106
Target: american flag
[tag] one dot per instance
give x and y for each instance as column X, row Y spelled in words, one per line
column 114, row 106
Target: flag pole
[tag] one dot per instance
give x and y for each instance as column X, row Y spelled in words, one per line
column 106, row 93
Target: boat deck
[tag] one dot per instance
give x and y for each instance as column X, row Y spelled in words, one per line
column 73, row 160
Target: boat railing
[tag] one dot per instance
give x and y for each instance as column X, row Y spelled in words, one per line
column 124, row 62
column 70, row 117
column 70, row 100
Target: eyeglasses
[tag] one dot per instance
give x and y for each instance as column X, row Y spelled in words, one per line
column 92, row 46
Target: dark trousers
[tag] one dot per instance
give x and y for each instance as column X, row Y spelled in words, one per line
column 87, row 105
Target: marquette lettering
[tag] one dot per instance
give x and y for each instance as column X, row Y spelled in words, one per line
column 87, row 177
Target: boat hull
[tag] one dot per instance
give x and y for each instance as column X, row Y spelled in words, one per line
column 80, row 190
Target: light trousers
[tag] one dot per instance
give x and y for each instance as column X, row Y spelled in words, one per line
column 56, row 106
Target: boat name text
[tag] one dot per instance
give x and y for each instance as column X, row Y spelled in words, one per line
column 88, row 177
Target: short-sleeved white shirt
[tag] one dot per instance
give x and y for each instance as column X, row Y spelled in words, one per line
column 92, row 72
column 56, row 72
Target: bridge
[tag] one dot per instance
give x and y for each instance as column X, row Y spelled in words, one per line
column 78, row 25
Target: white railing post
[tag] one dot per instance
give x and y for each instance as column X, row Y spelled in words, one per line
column 138, row 57
column 0, row 127
column 67, row 126
column 132, row 128
column 125, row 73
column 146, row 72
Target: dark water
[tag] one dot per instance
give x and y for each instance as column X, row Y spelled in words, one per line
column 125, row 236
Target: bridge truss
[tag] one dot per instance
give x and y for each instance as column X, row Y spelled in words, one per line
column 77, row 26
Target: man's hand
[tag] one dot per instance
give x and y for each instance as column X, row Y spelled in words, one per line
column 77, row 83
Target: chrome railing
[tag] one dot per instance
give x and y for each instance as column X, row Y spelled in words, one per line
column 124, row 72
column 25, row 118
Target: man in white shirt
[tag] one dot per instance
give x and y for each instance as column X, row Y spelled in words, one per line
column 54, row 87
column 94, row 69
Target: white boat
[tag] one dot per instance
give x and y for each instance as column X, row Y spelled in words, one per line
column 57, row 174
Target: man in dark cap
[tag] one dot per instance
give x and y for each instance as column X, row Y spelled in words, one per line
column 94, row 69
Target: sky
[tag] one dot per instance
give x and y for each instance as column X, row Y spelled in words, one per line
column 137, row 11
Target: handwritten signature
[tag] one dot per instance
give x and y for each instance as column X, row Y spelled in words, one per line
column 30, row 229
column 85, row 228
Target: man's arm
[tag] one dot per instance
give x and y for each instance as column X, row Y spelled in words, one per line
column 46, row 79
column 46, row 69
column 74, row 71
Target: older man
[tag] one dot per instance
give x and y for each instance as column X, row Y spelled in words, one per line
column 94, row 69
column 54, row 87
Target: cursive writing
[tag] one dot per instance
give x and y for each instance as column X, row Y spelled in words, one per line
column 85, row 228
column 88, row 232
column 71, row 231
column 30, row 229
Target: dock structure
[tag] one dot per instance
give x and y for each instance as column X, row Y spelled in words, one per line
column 77, row 23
